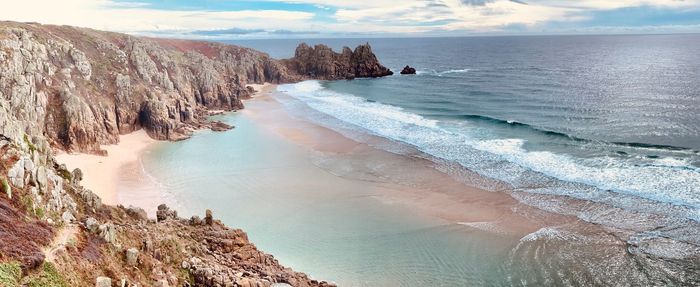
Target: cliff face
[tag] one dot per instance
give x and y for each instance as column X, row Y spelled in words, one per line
column 79, row 88
column 320, row 62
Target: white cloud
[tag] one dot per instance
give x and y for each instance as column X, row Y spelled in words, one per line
column 353, row 16
column 136, row 17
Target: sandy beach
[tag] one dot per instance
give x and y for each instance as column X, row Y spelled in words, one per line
column 105, row 175
column 410, row 180
column 101, row 173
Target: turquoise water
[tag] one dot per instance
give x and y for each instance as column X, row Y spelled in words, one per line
column 338, row 229
column 329, row 227
column 600, row 129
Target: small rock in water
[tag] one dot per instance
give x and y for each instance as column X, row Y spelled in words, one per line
column 408, row 70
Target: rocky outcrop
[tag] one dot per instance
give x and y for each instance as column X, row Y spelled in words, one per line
column 76, row 89
column 408, row 70
column 321, row 62
column 58, row 231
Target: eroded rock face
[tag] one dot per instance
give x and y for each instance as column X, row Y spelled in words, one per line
column 321, row 62
column 76, row 89
column 81, row 88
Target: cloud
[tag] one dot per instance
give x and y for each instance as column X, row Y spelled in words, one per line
column 333, row 17
column 231, row 31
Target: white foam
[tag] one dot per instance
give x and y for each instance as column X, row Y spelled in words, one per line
column 664, row 182
column 441, row 73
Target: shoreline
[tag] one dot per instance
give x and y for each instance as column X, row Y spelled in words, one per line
column 104, row 175
column 410, row 180
column 101, row 173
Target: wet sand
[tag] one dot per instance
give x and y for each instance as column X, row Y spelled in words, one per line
column 410, row 180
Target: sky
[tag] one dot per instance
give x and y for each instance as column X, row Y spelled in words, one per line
column 243, row 19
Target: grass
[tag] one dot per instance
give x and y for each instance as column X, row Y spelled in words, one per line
column 48, row 277
column 10, row 274
column 6, row 188
column 29, row 143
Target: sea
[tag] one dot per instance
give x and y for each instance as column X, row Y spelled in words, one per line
column 601, row 128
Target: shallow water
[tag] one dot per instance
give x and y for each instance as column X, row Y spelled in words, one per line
column 588, row 144
column 326, row 214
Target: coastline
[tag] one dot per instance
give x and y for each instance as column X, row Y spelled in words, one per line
column 409, row 180
column 101, row 173
column 121, row 166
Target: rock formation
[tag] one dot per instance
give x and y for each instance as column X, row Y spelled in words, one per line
column 320, row 62
column 408, row 70
column 76, row 89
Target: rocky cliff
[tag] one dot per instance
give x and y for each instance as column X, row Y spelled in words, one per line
column 74, row 89
column 78, row 88
column 320, row 62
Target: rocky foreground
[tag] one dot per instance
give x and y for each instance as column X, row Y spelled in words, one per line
column 74, row 89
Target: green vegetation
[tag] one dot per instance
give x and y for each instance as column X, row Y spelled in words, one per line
column 65, row 174
column 28, row 203
column 10, row 274
column 29, row 143
column 39, row 212
column 6, row 188
column 48, row 277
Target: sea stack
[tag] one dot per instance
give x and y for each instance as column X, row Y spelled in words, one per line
column 408, row 70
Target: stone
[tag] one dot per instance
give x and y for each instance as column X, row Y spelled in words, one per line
column 137, row 213
column 67, row 217
column 132, row 255
column 108, row 233
column 165, row 213
column 77, row 176
column 92, row 225
column 103, row 282
column 408, row 70
column 208, row 218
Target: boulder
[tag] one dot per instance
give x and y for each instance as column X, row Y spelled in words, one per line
column 218, row 126
column 408, row 70
column 108, row 232
column 164, row 213
column 67, row 217
column 77, row 176
column 103, row 282
column 92, row 225
column 137, row 213
column 208, row 218
column 132, row 256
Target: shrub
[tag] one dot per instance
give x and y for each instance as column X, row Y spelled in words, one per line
column 48, row 277
column 6, row 188
column 10, row 274
column 29, row 143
